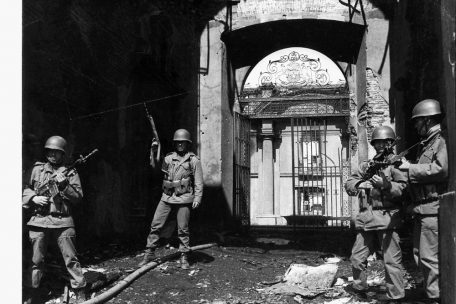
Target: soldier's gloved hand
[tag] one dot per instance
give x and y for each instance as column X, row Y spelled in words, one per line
column 405, row 164
column 365, row 185
column 195, row 205
column 40, row 200
column 381, row 181
column 154, row 145
column 61, row 180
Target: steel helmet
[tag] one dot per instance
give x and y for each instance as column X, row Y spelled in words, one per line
column 427, row 107
column 182, row 135
column 383, row 132
column 56, row 143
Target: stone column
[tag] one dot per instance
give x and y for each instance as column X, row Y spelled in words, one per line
column 267, row 135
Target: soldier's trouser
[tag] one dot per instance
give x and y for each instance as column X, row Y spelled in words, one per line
column 161, row 214
column 426, row 252
column 392, row 258
column 65, row 237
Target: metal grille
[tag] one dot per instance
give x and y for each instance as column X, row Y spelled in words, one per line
column 295, row 107
column 242, row 169
column 319, row 199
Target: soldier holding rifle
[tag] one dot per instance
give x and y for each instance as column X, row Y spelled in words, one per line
column 428, row 179
column 51, row 219
column 380, row 199
column 182, row 192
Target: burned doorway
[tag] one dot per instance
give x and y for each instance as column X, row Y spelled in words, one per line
column 297, row 102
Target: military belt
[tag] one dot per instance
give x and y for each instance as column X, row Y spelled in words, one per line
column 60, row 215
column 384, row 208
column 53, row 214
column 419, row 215
column 428, row 200
column 380, row 208
column 178, row 187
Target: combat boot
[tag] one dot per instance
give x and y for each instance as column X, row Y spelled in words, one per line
column 184, row 261
column 384, row 299
column 80, row 296
column 149, row 255
column 32, row 296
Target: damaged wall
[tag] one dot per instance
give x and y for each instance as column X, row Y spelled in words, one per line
column 81, row 58
column 416, row 61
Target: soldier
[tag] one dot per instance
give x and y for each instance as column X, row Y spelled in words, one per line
column 51, row 219
column 380, row 199
column 182, row 191
column 427, row 178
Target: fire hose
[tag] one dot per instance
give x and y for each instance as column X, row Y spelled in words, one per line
column 125, row 282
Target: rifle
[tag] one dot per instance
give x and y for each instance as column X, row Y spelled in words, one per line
column 155, row 146
column 385, row 159
column 50, row 188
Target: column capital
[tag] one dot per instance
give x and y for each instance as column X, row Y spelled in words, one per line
column 267, row 129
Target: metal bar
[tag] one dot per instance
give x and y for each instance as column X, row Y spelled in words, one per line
column 324, row 164
column 301, row 154
column 362, row 12
column 316, row 176
column 332, row 186
column 325, row 178
column 248, row 129
column 339, row 154
column 298, row 160
column 313, row 133
column 236, row 169
column 312, row 124
column 320, row 170
column 293, row 177
column 317, row 164
column 304, row 163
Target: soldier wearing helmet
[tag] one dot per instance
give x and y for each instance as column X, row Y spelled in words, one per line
column 427, row 179
column 52, row 218
column 182, row 191
column 380, row 199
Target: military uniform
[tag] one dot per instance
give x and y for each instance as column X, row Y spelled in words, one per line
column 182, row 186
column 379, row 217
column 53, row 222
column 428, row 179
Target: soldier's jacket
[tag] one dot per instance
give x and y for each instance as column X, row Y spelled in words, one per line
column 379, row 209
column 183, row 183
column 58, row 213
column 428, row 177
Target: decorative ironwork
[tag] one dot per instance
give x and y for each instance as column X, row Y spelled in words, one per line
column 268, row 91
column 295, row 107
column 319, row 198
column 294, row 70
column 242, row 169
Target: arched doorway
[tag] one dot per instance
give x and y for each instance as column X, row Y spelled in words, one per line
column 296, row 101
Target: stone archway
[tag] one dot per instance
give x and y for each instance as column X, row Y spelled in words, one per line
column 297, row 100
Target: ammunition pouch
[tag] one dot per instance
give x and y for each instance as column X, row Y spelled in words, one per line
column 57, row 208
column 168, row 187
column 183, row 187
column 178, row 187
column 49, row 189
column 57, row 205
column 41, row 210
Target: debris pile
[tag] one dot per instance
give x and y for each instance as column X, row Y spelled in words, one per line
column 305, row 280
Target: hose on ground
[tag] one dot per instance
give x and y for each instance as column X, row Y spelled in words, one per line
column 125, row 282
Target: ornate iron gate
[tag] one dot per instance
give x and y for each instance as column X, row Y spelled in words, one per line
column 319, row 198
column 242, row 169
